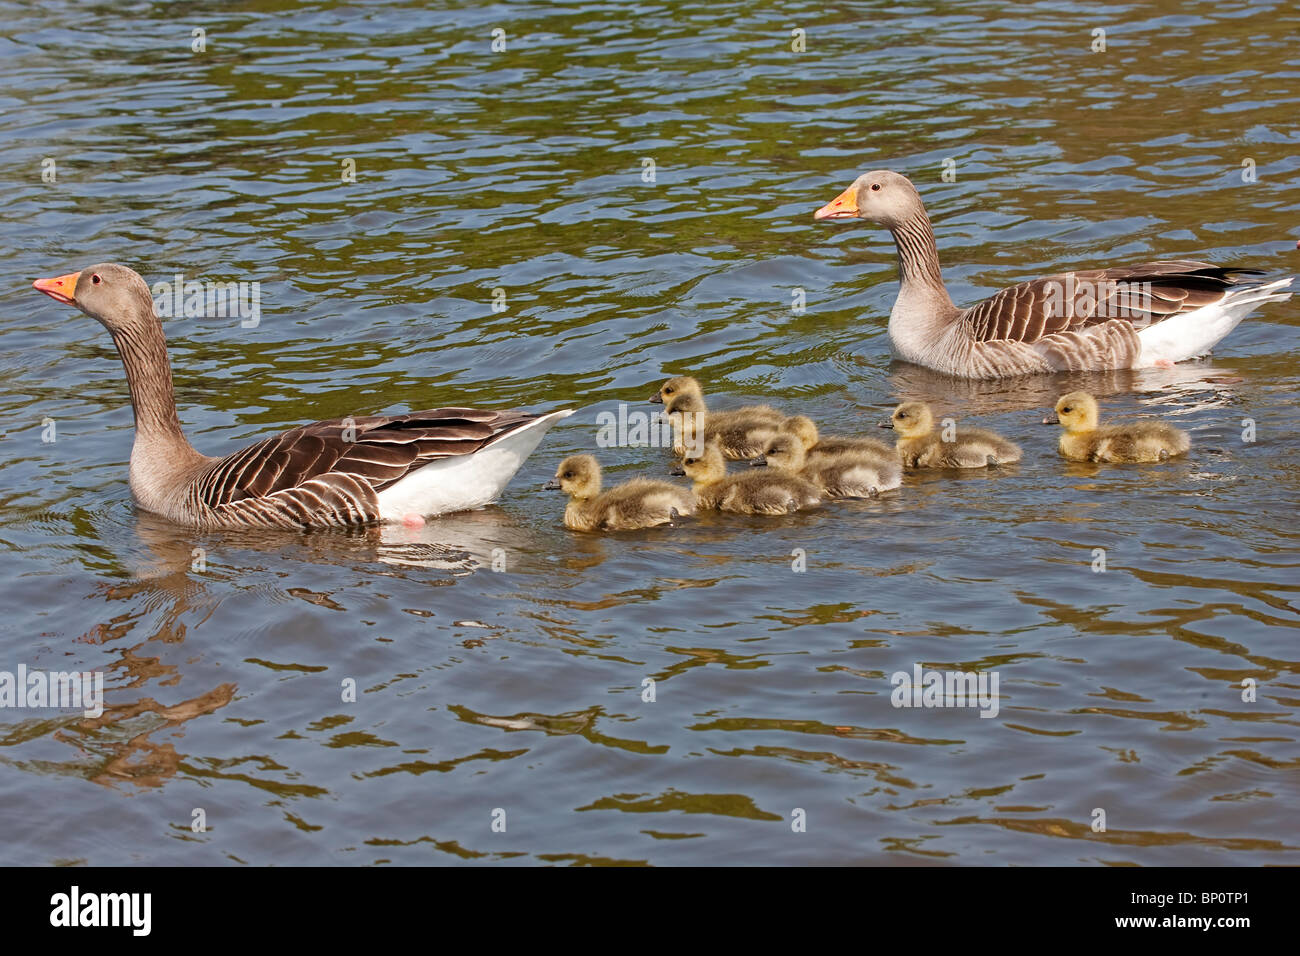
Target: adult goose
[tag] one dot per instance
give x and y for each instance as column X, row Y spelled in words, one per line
column 376, row 468
column 1153, row 314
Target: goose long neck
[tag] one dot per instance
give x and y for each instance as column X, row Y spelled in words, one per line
column 918, row 257
column 143, row 349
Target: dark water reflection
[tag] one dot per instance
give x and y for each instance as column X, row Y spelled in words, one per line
column 521, row 689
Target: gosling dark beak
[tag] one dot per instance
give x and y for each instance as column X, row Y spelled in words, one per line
column 552, row 485
column 884, row 424
column 677, row 471
column 759, row 462
column 656, row 398
column 1051, row 420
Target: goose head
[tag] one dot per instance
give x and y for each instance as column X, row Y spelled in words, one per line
column 912, row 420
column 784, row 451
column 578, row 476
column 882, row 196
column 675, row 388
column 803, row 428
column 1076, row 412
column 112, row 294
column 705, row 468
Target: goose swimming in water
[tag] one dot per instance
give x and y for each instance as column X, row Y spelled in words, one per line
column 350, row 471
column 1152, row 314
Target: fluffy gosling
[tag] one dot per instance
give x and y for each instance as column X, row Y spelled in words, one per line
column 920, row 446
column 818, row 446
column 851, row 473
column 754, row 492
column 1082, row 439
column 639, row 503
column 740, row 433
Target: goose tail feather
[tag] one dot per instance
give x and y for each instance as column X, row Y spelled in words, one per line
column 1193, row 334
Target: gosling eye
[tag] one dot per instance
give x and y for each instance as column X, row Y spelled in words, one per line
column 668, row 391
column 1066, row 410
column 875, row 187
column 568, row 474
column 901, row 415
column 95, row 278
column 690, row 461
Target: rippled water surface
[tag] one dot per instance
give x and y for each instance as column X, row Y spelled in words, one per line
column 482, row 692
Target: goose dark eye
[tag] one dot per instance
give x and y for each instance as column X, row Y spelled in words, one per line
column 568, row 474
column 902, row 415
column 95, row 278
column 875, row 187
column 1066, row 410
column 668, row 391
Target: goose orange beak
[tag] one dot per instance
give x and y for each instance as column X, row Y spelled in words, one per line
column 60, row 288
column 843, row 206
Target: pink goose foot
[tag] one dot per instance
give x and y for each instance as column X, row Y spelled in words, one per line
column 413, row 520
column 1163, row 363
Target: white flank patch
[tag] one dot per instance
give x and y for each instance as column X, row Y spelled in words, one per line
column 1186, row 336
column 463, row 482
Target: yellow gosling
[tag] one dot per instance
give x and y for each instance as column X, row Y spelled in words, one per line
column 818, row 446
column 1082, row 439
column 920, row 446
column 739, row 434
column 753, row 492
column 861, row 473
column 639, row 503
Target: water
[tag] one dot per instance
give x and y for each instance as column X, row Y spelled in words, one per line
column 521, row 691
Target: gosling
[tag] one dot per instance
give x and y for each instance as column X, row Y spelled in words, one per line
column 739, row 434
column 848, row 474
column 1082, row 439
column 818, row 446
column 639, row 503
column 755, row 492
column 920, row 446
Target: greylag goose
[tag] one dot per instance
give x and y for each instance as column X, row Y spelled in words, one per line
column 920, row 446
column 850, row 473
column 739, row 433
column 753, row 493
column 639, row 503
column 817, row 446
column 1082, row 439
column 1153, row 314
column 376, row 468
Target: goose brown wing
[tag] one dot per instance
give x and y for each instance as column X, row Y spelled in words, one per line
column 351, row 457
column 1071, row 301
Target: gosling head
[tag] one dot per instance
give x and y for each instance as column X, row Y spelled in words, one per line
column 578, row 476
column 882, row 196
column 803, row 428
column 676, row 388
column 784, row 451
column 1077, row 412
column 912, row 420
column 705, row 468
column 114, row 295
column 682, row 404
